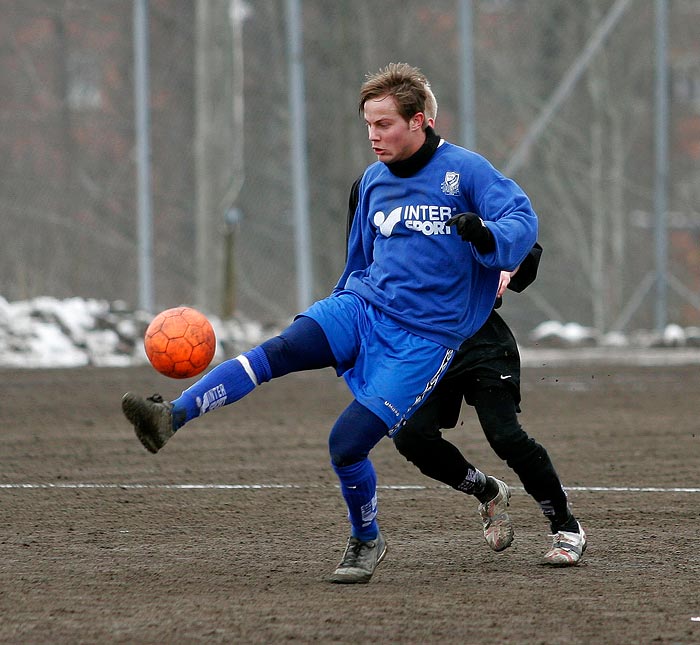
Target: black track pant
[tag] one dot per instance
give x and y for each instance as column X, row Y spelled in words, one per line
column 422, row 443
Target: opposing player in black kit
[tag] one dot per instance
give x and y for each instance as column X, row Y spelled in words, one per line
column 486, row 373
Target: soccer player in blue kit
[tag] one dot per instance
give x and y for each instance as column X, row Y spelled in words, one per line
column 485, row 372
column 424, row 262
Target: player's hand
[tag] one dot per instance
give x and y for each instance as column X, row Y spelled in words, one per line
column 471, row 228
column 503, row 283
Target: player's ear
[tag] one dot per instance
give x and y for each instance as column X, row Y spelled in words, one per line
column 416, row 121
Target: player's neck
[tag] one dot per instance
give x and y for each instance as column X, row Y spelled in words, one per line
column 410, row 166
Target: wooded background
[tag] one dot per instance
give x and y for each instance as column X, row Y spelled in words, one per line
column 221, row 136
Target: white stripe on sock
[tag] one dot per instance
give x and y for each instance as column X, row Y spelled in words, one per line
column 248, row 369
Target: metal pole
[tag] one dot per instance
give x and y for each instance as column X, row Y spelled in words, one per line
column 467, row 102
column 143, row 156
column 233, row 214
column 204, row 179
column 298, row 155
column 566, row 86
column 661, row 161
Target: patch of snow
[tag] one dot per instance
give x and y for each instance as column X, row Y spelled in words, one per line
column 46, row 332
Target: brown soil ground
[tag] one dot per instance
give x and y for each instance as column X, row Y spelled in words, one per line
column 101, row 541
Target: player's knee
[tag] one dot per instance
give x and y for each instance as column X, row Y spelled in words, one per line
column 529, row 454
column 340, row 459
column 407, row 443
column 514, row 446
column 506, row 440
column 504, row 433
column 499, row 420
column 356, row 431
column 421, row 429
column 344, row 449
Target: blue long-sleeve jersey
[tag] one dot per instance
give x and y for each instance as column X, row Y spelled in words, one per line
column 404, row 259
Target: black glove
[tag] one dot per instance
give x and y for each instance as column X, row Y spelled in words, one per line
column 471, row 228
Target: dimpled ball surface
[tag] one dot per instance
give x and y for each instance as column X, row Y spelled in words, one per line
column 180, row 342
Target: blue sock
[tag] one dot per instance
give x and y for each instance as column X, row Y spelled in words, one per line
column 226, row 383
column 358, row 483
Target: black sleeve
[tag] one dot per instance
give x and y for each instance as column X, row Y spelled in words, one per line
column 352, row 207
column 527, row 272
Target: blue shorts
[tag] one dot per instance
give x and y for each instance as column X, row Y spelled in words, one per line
column 389, row 370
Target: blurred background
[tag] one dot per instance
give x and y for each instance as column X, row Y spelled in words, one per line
column 201, row 151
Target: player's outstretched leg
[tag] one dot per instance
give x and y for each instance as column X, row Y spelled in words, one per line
column 302, row 346
column 498, row 527
column 156, row 420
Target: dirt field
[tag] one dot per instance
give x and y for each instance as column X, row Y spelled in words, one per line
column 228, row 534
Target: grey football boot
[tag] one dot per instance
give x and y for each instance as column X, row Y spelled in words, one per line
column 359, row 560
column 152, row 419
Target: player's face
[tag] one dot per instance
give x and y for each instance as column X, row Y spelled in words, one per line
column 392, row 137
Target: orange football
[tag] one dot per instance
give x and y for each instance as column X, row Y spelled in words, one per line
column 180, row 342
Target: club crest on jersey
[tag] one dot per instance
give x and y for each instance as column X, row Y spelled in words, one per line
column 450, row 186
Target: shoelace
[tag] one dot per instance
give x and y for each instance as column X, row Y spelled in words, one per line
column 351, row 553
column 559, row 541
column 354, row 552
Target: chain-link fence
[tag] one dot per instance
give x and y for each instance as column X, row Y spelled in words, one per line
column 220, row 137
